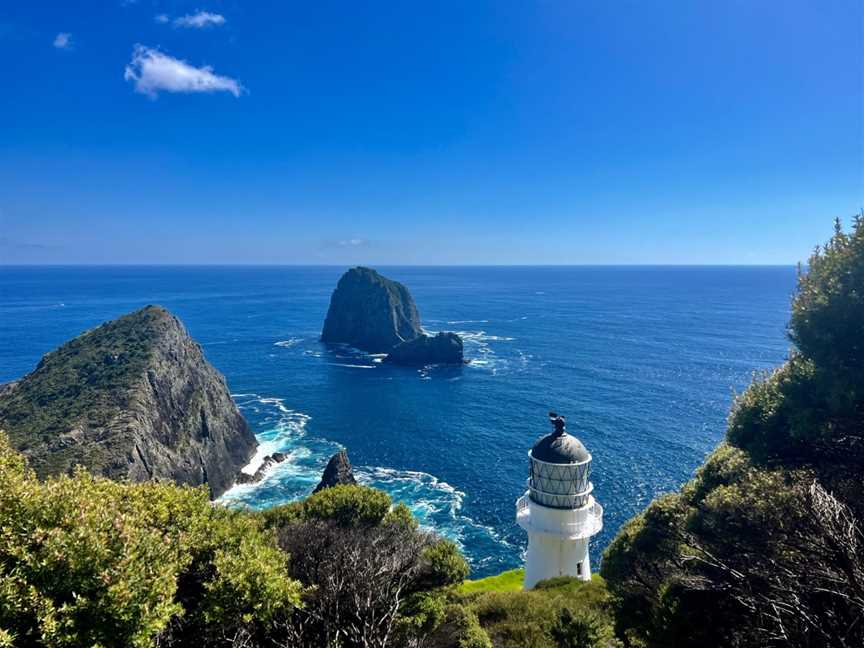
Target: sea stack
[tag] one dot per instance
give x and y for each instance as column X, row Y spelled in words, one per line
column 131, row 399
column 370, row 312
column 338, row 471
column 375, row 314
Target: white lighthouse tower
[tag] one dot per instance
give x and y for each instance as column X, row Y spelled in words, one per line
column 558, row 510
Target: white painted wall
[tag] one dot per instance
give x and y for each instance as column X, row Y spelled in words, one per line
column 558, row 540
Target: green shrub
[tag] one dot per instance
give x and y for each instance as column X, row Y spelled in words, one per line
column 810, row 410
column 442, row 565
column 585, row 630
column 523, row 619
column 460, row 629
column 88, row 561
column 347, row 505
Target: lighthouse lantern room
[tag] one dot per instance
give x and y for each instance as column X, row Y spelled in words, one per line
column 558, row 510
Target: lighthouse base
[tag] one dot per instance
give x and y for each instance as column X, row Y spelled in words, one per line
column 557, row 539
column 550, row 557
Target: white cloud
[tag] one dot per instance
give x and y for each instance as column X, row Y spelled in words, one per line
column 162, row 18
column 153, row 71
column 198, row 20
column 354, row 242
column 63, row 40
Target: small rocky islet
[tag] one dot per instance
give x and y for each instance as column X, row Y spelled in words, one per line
column 337, row 473
column 375, row 314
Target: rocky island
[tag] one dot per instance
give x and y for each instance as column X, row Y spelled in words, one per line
column 134, row 399
column 370, row 312
column 375, row 314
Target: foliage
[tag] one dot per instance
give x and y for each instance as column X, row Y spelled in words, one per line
column 764, row 546
column 460, row 629
column 374, row 578
column 347, row 505
column 441, row 565
column 88, row 561
column 523, row 619
column 811, row 410
column 575, row 631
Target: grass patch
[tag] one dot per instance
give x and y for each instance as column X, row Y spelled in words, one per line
column 508, row 581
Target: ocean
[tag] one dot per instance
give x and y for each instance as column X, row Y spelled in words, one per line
column 643, row 362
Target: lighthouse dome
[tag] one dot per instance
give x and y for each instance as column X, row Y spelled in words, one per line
column 558, row 448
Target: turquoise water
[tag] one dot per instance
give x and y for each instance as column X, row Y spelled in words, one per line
column 642, row 361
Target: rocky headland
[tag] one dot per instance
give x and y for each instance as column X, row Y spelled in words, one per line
column 132, row 399
column 375, row 314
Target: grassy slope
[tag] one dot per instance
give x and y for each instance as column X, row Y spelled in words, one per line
column 508, row 581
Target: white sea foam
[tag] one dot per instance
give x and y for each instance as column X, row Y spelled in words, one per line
column 352, row 366
column 480, row 352
column 287, row 344
column 288, row 423
column 436, row 504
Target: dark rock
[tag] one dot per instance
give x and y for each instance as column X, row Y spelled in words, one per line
column 370, row 312
column 132, row 399
column 267, row 464
column 444, row 348
column 338, row 471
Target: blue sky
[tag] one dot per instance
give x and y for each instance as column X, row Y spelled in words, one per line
column 221, row 131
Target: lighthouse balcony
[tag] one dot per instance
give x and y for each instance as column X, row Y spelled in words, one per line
column 572, row 524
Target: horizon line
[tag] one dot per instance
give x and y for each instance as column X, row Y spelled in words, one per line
column 397, row 265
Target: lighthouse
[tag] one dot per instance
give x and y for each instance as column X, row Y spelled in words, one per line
column 558, row 510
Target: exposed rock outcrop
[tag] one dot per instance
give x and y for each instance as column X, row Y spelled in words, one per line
column 444, row 348
column 338, row 471
column 267, row 464
column 378, row 315
column 370, row 312
column 131, row 399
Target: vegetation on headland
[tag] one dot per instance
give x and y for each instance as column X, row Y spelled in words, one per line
column 765, row 546
column 85, row 561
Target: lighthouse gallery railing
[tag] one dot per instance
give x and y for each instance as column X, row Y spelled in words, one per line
column 591, row 524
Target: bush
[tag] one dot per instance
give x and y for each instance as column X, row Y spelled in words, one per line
column 531, row 618
column 811, row 410
column 347, row 505
column 462, row 629
column 374, row 578
column 87, row 561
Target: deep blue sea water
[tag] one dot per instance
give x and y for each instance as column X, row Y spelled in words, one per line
column 643, row 361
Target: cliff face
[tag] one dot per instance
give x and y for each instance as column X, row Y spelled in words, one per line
column 370, row 312
column 444, row 348
column 133, row 398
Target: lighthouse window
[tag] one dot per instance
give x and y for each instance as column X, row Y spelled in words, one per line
column 579, row 569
